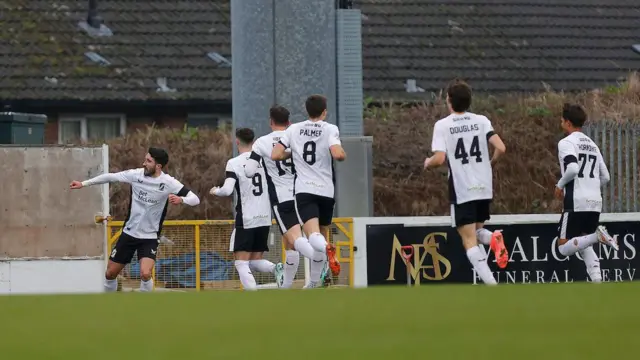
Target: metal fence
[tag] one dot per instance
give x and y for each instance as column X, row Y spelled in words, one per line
column 194, row 255
column 618, row 144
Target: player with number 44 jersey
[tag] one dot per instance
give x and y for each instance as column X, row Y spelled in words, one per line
column 462, row 140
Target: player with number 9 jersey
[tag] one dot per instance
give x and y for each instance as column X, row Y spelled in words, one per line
column 249, row 239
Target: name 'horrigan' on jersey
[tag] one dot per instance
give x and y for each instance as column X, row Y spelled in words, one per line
column 464, row 128
column 312, row 133
column 587, row 147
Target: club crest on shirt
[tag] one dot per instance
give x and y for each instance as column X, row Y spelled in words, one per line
column 161, row 186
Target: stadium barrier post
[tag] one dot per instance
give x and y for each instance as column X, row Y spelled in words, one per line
column 197, row 246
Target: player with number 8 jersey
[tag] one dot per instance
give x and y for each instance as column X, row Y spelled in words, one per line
column 314, row 145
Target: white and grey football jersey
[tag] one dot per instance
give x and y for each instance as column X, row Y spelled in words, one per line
column 583, row 192
column 149, row 201
column 253, row 208
column 464, row 138
column 280, row 174
column 310, row 142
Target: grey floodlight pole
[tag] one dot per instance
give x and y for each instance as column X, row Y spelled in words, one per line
column 281, row 51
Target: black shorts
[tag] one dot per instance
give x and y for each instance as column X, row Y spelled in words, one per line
column 285, row 214
column 250, row 240
column 127, row 245
column 309, row 206
column 472, row 212
column 578, row 223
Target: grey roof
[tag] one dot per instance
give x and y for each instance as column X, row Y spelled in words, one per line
column 497, row 45
column 42, row 50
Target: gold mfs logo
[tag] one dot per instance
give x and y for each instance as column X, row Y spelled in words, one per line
column 432, row 267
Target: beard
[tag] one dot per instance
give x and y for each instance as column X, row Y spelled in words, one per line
column 148, row 172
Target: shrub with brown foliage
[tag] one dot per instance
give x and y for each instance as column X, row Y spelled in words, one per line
column 523, row 180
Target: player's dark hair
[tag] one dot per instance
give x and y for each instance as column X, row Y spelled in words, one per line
column 316, row 105
column 574, row 114
column 160, row 156
column 245, row 135
column 459, row 95
column 279, row 115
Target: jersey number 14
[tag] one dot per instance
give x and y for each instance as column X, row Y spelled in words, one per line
column 474, row 150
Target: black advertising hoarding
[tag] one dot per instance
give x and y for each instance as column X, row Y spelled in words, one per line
column 439, row 257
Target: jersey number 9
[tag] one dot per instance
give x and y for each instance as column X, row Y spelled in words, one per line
column 256, row 180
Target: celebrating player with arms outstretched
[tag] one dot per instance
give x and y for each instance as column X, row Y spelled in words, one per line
column 462, row 140
column 250, row 237
column 314, row 145
column 151, row 190
column 583, row 173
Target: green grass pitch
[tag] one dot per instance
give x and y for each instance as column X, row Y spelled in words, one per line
column 552, row 321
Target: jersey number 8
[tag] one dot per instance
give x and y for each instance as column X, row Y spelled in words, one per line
column 309, row 152
column 474, row 150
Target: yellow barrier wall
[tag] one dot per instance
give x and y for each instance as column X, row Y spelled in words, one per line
column 188, row 245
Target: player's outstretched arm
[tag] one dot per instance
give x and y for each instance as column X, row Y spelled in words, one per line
column 498, row 147
column 226, row 189
column 122, row 176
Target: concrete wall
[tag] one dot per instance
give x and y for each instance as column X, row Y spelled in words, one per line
column 39, row 215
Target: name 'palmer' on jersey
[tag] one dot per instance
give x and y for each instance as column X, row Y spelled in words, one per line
column 310, row 143
column 464, row 138
column 583, row 192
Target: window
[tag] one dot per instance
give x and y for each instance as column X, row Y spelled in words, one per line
column 90, row 127
column 212, row 121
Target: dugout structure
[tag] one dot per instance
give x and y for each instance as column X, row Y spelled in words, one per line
column 194, row 255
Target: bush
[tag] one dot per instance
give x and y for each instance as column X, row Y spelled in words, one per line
column 523, row 180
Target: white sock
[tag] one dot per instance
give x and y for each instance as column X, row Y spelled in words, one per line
column 479, row 262
column 290, row 268
column 246, row 277
column 577, row 243
column 110, row 285
column 318, row 242
column 592, row 262
column 262, row 265
column 483, row 251
column 316, row 265
column 302, row 245
column 146, row 286
column 484, row 236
